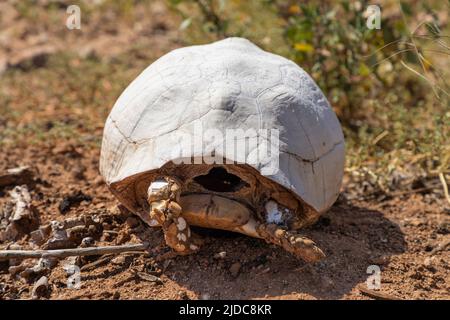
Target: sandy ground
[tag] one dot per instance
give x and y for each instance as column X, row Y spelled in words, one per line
column 406, row 237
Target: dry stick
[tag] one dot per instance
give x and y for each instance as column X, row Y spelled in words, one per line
column 62, row 253
column 444, row 185
column 376, row 294
column 406, row 192
column 97, row 263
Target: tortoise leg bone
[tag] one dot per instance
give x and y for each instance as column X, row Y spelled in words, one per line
column 292, row 242
column 212, row 211
column 163, row 197
column 300, row 246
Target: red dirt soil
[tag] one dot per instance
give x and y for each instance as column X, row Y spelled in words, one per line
column 400, row 235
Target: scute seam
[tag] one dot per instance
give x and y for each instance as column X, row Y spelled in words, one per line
column 317, row 158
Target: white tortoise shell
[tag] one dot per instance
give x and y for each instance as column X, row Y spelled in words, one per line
column 228, row 84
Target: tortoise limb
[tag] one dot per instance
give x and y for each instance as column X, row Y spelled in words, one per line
column 298, row 245
column 163, row 198
column 212, row 211
column 292, row 242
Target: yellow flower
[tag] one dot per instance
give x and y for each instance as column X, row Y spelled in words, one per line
column 303, row 47
column 294, row 9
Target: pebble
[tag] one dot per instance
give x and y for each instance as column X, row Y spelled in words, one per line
column 48, row 262
column 14, row 246
column 34, row 272
column 73, row 261
column 205, row 296
column 15, row 269
column 235, row 268
column 119, row 260
column 220, row 255
column 183, row 295
column 132, row 222
column 380, row 260
column 122, row 238
column 40, row 288
column 87, row 242
column 37, row 237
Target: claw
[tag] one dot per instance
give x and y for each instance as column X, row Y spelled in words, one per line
column 163, row 197
column 296, row 244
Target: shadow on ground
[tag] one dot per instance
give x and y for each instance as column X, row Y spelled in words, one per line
column 352, row 238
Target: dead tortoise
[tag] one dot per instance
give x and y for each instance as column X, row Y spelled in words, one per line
column 161, row 167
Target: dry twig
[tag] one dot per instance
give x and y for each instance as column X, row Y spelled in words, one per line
column 63, row 253
column 377, row 294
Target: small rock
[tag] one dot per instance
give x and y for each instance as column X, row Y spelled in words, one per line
column 3, row 288
column 148, row 277
column 33, row 273
column 13, row 270
column 72, row 261
column 183, row 295
column 327, row 282
column 40, row 288
column 24, row 218
column 430, row 263
column 380, row 260
column 56, row 243
column 92, row 229
column 119, row 260
column 220, row 255
column 98, row 181
column 116, row 295
column 46, row 230
column 265, row 270
column 132, row 222
column 69, row 151
column 205, row 296
column 87, row 242
column 122, row 238
column 443, row 228
column 48, row 262
column 73, row 222
column 72, row 200
column 441, row 246
column 427, row 262
column 100, row 206
column 235, row 268
column 37, row 237
column 59, row 239
column 76, row 234
column 15, row 246
column 16, row 176
column 78, row 172
column 415, row 222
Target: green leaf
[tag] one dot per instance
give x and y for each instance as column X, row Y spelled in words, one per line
column 406, row 8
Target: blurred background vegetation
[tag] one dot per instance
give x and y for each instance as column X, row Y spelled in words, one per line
column 389, row 87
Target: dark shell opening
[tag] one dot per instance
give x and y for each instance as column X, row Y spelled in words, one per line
column 220, row 180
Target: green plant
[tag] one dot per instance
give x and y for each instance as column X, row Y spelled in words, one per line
column 388, row 86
